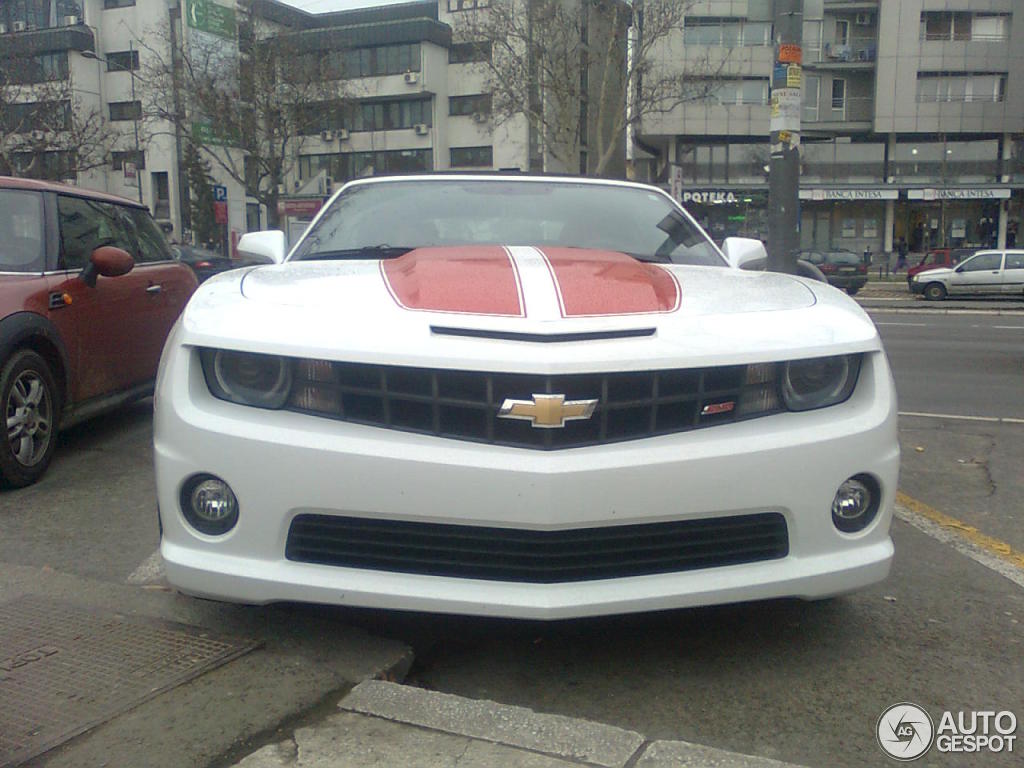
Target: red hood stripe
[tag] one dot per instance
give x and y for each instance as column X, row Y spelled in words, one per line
column 600, row 283
column 477, row 280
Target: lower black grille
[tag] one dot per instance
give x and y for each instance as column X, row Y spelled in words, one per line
column 542, row 557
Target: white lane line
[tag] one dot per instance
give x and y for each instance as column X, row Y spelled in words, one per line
column 961, row 545
column 1009, row 327
column 953, row 416
column 151, row 570
column 915, row 325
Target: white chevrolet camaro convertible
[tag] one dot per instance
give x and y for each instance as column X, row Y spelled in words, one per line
column 515, row 396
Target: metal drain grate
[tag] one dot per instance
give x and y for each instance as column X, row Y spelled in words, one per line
column 64, row 670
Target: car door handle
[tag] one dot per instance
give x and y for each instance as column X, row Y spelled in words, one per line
column 154, row 289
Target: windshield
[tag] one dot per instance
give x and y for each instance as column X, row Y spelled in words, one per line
column 386, row 219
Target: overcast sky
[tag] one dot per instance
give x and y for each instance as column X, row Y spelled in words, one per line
column 324, row 6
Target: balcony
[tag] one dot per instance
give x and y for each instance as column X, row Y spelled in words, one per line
column 859, row 53
column 31, row 42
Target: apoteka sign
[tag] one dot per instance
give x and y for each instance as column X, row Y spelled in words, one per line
column 710, row 197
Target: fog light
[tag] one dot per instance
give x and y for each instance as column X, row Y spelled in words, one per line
column 209, row 504
column 856, row 503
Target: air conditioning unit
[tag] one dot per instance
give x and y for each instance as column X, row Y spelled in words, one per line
column 342, row 134
column 3, row 28
column 479, row 117
column 20, row 26
column 864, row 19
column 412, row 78
column 70, row 21
column 422, row 129
column 326, row 135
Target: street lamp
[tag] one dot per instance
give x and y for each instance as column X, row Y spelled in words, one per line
column 135, row 116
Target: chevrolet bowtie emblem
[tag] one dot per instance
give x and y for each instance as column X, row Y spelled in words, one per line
column 547, row 411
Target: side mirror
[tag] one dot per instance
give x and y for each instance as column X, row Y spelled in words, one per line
column 109, row 261
column 741, row 250
column 262, row 247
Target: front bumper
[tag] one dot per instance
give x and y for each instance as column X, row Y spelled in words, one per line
column 282, row 464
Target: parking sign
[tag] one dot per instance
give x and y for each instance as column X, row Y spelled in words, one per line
column 220, row 193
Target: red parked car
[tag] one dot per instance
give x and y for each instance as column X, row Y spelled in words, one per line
column 89, row 290
column 939, row 257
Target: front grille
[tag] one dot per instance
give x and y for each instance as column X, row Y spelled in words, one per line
column 464, row 404
column 541, row 557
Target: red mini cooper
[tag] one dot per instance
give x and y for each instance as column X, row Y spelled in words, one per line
column 89, row 290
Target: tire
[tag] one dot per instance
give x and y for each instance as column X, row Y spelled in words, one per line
column 31, row 406
column 935, row 291
column 852, row 291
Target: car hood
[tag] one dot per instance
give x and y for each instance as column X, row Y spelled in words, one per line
column 483, row 305
column 934, row 272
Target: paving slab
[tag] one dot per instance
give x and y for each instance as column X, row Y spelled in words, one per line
column 683, row 754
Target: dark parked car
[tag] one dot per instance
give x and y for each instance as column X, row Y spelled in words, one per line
column 842, row 268
column 205, row 263
column 938, row 258
column 89, row 290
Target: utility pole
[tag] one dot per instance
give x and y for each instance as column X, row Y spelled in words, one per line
column 136, row 116
column 784, row 167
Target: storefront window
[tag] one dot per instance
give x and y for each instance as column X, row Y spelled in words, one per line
column 842, row 161
column 942, row 161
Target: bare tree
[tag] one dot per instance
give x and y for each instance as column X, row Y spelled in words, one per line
column 248, row 114
column 583, row 71
column 46, row 129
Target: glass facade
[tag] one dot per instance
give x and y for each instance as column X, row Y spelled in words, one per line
column 351, row 165
column 842, row 161
column 971, row 161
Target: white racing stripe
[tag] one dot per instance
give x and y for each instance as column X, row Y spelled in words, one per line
column 538, row 286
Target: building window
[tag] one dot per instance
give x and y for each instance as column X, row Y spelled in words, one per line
column 842, row 32
column 342, row 167
column 47, row 116
column 108, row 4
column 468, row 105
column 838, row 94
column 463, row 53
column 26, row 70
column 729, row 32
column 811, row 91
column 944, row 87
column 472, row 157
column 465, row 5
column 729, row 91
column 118, row 159
column 125, row 110
column 390, row 115
column 370, row 62
column 123, row 61
column 962, row 25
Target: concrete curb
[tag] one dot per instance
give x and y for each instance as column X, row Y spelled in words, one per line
column 564, row 737
column 567, row 738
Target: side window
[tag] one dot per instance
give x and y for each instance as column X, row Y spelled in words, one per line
column 1015, row 261
column 152, row 245
column 987, row 261
column 85, row 225
column 21, row 231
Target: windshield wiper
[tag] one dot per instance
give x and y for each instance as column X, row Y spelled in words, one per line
column 382, row 251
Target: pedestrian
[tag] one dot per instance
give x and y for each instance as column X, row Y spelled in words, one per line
column 901, row 254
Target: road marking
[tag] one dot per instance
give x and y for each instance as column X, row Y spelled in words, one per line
column 915, row 325
column 966, row 539
column 957, row 417
column 151, row 570
column 1009, row 327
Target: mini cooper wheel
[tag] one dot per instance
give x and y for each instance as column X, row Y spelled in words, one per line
column 935, row 292
column 29, row 398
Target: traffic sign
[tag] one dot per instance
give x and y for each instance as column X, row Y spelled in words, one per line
column 220, row 193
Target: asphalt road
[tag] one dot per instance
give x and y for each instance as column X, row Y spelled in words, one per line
column 804, row 682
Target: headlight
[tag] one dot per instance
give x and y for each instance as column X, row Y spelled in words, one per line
column 247, row 378
column 818, row 382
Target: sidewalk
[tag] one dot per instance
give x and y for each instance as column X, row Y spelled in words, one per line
column 385, row 724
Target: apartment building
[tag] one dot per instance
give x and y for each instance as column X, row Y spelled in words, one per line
column 410, row 94
column 912, row 120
